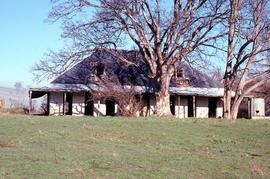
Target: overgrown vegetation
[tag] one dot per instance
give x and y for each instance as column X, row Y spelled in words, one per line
column 18, row 110
column 86, row 147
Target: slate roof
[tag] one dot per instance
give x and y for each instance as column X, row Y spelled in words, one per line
column 126, row 74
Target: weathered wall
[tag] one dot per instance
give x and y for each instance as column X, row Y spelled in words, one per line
column 117, row 110
column 181, row 107
column 78, row 104
column 202, row 107
column 56, row 103
column 177, row 107
column 258, row 107
column 99, row 108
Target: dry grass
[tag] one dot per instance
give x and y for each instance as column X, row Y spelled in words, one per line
column 5, row 143
column 11, row 111
column 96, row 132
column 74, row 173
column 114, row 147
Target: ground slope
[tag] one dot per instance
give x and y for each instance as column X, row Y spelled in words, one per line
column 85, row 147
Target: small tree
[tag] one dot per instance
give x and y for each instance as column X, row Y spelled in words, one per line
column 247, row 66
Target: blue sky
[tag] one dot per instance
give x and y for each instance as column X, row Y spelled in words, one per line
column 24, row 38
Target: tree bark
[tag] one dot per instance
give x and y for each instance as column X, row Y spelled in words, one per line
column 163, row 103
column 227, row 101
column 162, row 94
column 235, row 106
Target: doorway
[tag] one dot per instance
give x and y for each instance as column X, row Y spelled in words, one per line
column 172, row 104
column 244, row 109
column 110, row 107
column 190, row 106
column 69, row 97
column 89, row 106
column 212, row 107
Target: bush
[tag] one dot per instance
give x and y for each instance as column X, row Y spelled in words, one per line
column 13, row 110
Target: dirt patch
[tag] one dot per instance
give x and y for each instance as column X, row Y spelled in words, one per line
column 74, row 173
column 258, row 169
column 5, row 143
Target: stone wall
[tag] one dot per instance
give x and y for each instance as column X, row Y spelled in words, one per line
column 56, row 103
column 202, row 107
column 78, row 104
column 257, row 107
column 181, row 107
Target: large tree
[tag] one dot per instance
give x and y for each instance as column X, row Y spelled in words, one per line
column 164, row 32
column 247, row 66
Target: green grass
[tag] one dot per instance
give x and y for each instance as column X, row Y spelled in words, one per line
column 85, row 147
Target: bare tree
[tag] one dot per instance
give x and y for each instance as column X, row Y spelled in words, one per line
column 126, row 96
column 247, row 65
column 216, row 74
column 164, row 32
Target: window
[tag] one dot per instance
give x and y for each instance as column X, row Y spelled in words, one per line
column 180, row 73
column 100, row 68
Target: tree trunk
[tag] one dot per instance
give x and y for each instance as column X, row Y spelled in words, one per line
column 162, row 94
column 228, row 73
column 163, row 104
column 227, row 101
column 240, row 95
column 235, row 106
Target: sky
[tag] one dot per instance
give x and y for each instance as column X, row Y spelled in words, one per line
column 24, row 39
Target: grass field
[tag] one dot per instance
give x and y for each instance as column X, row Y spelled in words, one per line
column 85, row 147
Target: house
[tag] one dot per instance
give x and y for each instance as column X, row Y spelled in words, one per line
column 192, row 93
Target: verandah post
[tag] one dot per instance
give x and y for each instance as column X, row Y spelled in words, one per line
column 30, row 102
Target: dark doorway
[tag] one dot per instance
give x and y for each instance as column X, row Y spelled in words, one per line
column 69, row 103
column 89, row 106
column 172, row 104
column 190, row 106
column 146, row 100
column 212, row 105
column 110, row 107
column 244, row 109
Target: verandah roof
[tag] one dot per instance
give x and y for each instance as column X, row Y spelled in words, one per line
column 191, row 91
column 54, row 87
column 210, row 92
